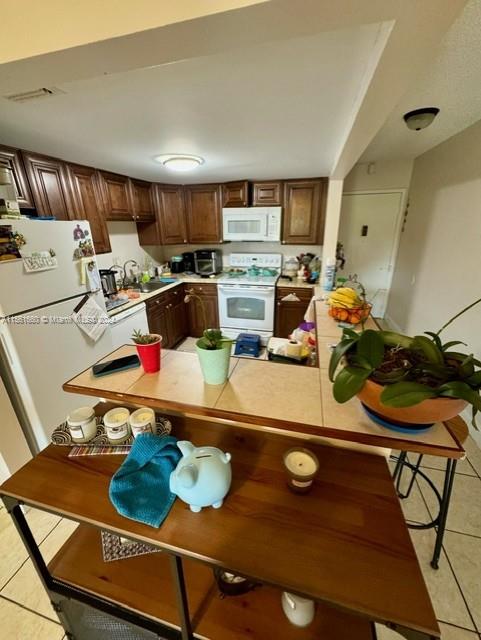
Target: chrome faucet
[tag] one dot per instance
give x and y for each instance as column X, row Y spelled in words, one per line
column 124, row 282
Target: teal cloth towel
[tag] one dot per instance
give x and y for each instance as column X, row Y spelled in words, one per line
column 139, row 490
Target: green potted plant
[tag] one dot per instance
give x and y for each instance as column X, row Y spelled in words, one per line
column 213, row 349
column 148, row 349
column 406, row 380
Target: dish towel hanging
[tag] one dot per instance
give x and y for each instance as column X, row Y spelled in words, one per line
column 139, row 490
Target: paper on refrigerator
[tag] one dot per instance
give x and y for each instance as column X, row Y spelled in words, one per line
column 90, row 318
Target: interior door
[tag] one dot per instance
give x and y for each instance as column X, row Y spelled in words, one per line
column 369, row 232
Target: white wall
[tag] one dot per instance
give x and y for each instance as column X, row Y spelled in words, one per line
column 245, row 247
column 395, row 174
column 438, row 270
column 124, row 242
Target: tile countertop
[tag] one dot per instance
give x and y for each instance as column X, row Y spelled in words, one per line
column 300, row 399
column 194, row 279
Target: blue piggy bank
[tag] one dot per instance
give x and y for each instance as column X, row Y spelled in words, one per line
column 202, row 477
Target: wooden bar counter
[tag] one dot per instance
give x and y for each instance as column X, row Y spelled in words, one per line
column 344, row 544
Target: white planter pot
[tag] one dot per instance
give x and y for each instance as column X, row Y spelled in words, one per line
column 214, row 363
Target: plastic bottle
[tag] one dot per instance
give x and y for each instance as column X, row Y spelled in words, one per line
column 329, row 274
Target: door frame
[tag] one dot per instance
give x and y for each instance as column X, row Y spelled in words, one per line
column 397, row 230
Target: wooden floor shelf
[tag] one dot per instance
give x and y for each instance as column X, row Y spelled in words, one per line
column 143, row 584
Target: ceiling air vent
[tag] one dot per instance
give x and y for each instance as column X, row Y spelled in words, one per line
column 26, row 96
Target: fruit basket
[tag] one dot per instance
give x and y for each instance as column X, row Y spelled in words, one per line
column 348, row 303
column 353, row 315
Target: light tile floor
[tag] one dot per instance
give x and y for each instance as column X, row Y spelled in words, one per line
column 455, row 588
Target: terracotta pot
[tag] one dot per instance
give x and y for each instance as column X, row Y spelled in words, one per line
column 149, row 354
column 426, row 412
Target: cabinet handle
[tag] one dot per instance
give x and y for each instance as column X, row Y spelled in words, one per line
column 283, row 242
column 185, row 240
column 279, row 304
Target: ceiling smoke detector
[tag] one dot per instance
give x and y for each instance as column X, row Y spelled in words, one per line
column 180, row 161
column 35, row 94
column 420, row 118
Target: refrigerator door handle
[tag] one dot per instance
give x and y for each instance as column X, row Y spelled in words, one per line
column 7, row 350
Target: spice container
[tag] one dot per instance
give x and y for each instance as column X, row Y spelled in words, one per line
column 301, row 466
column 82, row 424
column 116, row 423
column 142, row 421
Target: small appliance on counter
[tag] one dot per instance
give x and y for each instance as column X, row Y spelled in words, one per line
column 107, row 278
column 177, row 264
column 208, row 262
column 189, row 262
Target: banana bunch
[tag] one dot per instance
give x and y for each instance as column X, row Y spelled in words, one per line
column 345, row 297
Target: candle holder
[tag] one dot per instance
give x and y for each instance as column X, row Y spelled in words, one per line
column 301, row 466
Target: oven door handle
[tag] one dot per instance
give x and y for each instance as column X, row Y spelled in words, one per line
column 234, row 287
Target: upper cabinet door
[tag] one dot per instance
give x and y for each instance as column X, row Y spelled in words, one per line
column 171, row 214
column 203, row 206
column 117, row 196
column 303, row 219
column 22, row 189
column 88, row 205
column 49, row 183
column 142, row 200
column 267, row 194
column 235, row 194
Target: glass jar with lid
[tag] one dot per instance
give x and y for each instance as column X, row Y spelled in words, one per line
column 82, row 424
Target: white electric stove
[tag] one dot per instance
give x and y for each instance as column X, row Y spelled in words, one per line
column 247, row 294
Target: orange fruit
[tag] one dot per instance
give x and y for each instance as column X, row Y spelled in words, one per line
column 343, row 315
column 354, row 318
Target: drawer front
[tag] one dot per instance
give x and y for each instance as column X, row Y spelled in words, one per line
column 208, row 289
column 303, row 293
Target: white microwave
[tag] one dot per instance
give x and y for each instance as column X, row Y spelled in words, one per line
column 252, row 224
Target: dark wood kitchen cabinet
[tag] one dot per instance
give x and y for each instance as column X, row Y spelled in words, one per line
column 203, row 207
column 267, row 194
column 117, row 196
column 290, row 313
column 167, row 316
column 48, row 179
column 208, row 295
column 13, row 158
column 88, row 204
column 142, row 199
column 304, row 211
column 171, row 214
column 235, row 194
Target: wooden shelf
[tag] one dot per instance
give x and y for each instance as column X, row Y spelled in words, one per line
column 143, row 584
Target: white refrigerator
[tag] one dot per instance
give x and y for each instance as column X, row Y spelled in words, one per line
column 40, row 348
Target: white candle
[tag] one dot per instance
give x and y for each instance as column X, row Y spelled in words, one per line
column 301, row 463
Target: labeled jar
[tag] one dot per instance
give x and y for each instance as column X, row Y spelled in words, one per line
column 82, row 424
column 142, row 421
column 116, row 423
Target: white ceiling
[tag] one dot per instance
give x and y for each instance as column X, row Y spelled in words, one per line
column 451, row 82
column 275, row 110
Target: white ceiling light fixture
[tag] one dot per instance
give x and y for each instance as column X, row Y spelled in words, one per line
column 420, row 118
column 180, row 161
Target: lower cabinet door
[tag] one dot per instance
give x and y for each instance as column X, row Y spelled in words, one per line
column 157, row 317
column 289, row 315
column 177, row 320
column 201, row 317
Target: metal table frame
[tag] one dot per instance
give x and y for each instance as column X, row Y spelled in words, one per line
column 58, row 590
column 443, row 498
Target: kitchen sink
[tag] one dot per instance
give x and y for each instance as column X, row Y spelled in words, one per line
column 148, row 287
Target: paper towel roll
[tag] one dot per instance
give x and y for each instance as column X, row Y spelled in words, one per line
column 293, row 348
